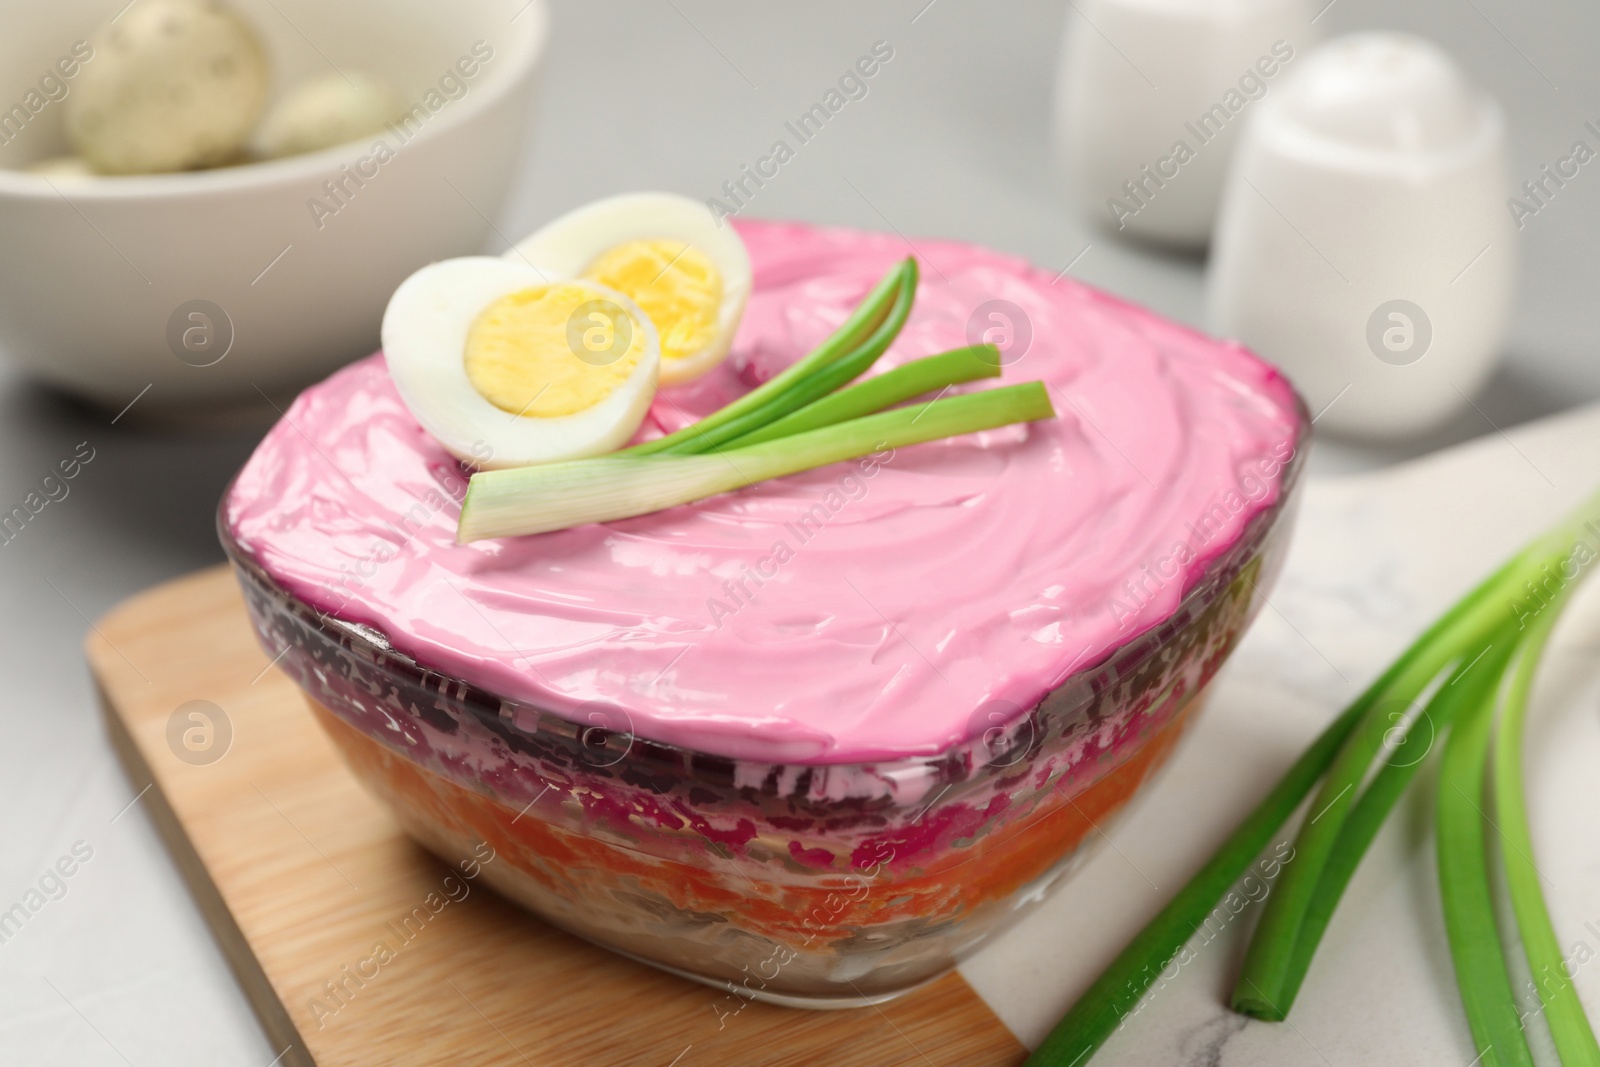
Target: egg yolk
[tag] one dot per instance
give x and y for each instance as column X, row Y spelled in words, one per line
column 674, row 283
column 551, row 350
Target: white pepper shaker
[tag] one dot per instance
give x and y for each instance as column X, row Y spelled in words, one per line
column 1150, row 97
column 1363, row 244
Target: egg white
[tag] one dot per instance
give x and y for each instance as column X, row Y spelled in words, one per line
column 566, row 246
column 424, row 333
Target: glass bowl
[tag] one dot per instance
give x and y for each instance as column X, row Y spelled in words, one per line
column 810, row 885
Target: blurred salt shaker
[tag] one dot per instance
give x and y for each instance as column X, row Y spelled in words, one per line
column 1364, row 245
column 1150, row 95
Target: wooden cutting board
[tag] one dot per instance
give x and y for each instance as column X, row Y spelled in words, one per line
column 300, row 873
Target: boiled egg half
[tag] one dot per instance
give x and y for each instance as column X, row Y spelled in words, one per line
column 507, row 365
column 690, row 275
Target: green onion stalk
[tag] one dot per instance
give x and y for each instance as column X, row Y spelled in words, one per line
column 555, row 496
column 1113, row 996
column 1469, row 684
column 1461, row 658
column 1268, row 980
column 1274, row 964
column 916, row 378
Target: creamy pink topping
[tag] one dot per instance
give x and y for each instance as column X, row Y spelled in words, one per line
column 890, row 607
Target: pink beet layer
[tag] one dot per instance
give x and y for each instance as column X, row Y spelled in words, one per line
column 890, row 608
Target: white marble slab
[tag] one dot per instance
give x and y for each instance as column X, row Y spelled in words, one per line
column 1376, row 557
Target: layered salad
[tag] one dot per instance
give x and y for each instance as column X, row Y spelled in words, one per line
column 807, row 699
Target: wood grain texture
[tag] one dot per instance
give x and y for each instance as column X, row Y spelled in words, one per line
column 301, row 873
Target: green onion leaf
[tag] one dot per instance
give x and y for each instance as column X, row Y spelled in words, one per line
column 860, row 340
column 1472, row 681
column 1273, row 968
column 1469, row 920
column 1263, row 990
column 1101, row 1009
column 1471, row 624
column 555, row 496
column 815, row 385
column 1570, row 1029
column 917, row 378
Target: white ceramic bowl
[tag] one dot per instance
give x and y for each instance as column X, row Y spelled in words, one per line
column 209, row 285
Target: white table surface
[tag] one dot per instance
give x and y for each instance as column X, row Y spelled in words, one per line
column 677, row 94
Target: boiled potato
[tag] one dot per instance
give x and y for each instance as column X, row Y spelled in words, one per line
column 327, row 111
column 175, row 84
